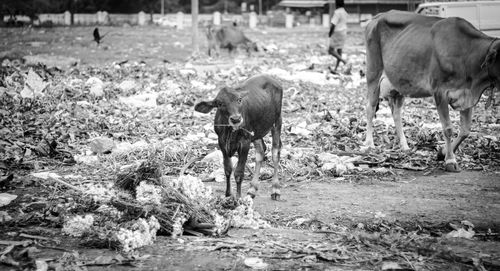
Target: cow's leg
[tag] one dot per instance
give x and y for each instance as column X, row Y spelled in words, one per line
column 228, row 168
column 259, row 157
column 465, row 125
column 239, row 172
column 372, row 98
column 450, row 162
column 276, row 150
column 396, row 103
column 374, row 69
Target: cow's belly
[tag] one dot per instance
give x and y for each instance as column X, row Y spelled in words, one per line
column 414, row 92
column 404, row 87
column 407, row 62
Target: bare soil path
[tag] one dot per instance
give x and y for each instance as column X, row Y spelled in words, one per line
column 413, row 198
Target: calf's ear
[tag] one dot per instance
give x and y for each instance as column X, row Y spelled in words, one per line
column 204, row 107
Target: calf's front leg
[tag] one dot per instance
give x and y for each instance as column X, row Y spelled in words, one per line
column 239, row 172
column 228, row 169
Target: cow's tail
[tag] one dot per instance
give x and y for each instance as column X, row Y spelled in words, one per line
column 374, row 63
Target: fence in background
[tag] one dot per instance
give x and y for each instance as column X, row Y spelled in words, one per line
column 181, row 20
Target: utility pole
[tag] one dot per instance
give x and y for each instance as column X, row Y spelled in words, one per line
column 260, row 7
column 162, row 8
column 194, row 31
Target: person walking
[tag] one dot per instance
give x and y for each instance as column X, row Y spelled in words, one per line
column 338, row 34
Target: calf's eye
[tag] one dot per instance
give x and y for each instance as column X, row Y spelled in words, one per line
column 240, row 100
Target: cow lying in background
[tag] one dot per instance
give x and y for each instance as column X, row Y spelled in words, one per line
column 228, row 37
column 410, row 55
column 245, row 114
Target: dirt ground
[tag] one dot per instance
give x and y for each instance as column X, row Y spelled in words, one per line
column 312, row 208
column 412, row 202
column 412, row 198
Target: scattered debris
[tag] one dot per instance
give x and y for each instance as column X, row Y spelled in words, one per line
column 255, row 263
column 56, row 61
column 6, row 199
column 102, row 145
column 157, row 151
column 96, row 86
column 33, row 86
column 78, row 225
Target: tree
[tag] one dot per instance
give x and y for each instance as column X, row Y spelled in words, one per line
column 30, row 8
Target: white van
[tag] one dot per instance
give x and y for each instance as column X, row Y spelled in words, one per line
column 484, row 15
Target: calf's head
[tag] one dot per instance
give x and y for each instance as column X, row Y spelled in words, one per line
column 229, row 103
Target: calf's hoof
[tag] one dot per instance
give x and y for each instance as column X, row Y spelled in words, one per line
column 452, row 167
column 275, row 196
column 440, row 154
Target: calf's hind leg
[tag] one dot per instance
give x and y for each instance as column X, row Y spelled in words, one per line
column 276, row 150
column 259, row 157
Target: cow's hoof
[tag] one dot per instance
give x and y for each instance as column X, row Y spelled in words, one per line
column 275, row 196
column 452, row 167
column 440, row 154
column 252, row 195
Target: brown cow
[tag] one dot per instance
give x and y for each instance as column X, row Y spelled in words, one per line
column 246, row 114
column 410, row 55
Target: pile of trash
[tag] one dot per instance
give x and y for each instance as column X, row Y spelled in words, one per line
column 146, row 202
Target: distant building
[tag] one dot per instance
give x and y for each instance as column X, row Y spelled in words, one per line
column 353, row 6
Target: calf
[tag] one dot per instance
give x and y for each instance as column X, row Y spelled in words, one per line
column 410, row 55
column 245, row 114
column 228, row 37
